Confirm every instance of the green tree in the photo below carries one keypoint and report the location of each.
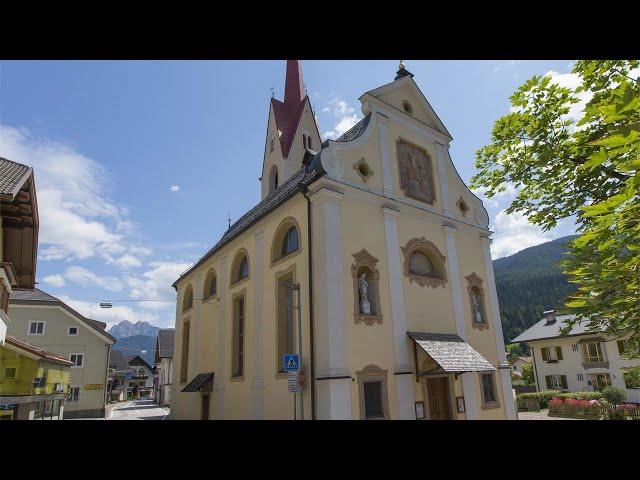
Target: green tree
(583, 168)
(527, 374)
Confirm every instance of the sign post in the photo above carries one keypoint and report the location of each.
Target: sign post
(296, 381)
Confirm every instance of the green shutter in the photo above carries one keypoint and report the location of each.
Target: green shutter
(559, 353)
(563, 379)
(545, 354)
(549, 384)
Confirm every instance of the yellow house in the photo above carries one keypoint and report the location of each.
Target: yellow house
(369, 257)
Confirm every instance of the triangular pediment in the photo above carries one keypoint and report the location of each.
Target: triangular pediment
(404, 90)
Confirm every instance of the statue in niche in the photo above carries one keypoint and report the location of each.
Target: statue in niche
(416, 177)
(477, 307)
(363, 288)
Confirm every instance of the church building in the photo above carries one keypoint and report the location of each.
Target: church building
(367, 256)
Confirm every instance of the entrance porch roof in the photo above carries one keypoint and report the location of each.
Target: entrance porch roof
(451, 353)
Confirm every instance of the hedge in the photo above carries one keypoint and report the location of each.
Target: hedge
(525, 400)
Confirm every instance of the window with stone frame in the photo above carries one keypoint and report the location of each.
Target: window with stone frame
(489, 390)
(187, 301)
(372, 389)
(239, 328)
(285, 329)
(423, 263)
(366, 290)
(477, 302)
(184, 357)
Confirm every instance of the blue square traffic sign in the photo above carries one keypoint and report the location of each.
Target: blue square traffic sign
(291, 362)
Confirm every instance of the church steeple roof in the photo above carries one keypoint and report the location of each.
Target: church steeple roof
(288, 113)
(294, 86)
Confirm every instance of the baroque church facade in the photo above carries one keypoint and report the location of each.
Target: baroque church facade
(369, 257)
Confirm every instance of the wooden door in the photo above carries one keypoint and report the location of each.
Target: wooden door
(205, 408)
(438, 395)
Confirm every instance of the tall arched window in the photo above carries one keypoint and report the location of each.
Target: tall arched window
(240, 267)
(423, 263)
(210, 285)
(273, 178)
(286, 240)
(290, 242)
(187, 301)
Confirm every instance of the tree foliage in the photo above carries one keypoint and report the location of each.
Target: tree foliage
(583, 168)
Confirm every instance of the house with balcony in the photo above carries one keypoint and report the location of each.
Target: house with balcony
(34, 383)
(142, 375)
(581, 360)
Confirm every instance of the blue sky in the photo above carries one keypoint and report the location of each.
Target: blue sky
(137, 162)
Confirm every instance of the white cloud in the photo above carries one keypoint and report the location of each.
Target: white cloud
(155, 284)
(128, 261)
(175, 188)
(86, 278)
(54, 280)
(77, 220)
(344, 118)
(513, 232)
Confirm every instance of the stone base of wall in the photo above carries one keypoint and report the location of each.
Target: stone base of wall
(95, 413)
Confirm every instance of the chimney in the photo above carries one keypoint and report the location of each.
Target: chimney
(551, 316)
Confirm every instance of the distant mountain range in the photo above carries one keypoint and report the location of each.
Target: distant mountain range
(143, 345)
(530, 282)
(126, 329)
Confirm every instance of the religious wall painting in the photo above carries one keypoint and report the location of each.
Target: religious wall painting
(415, 170)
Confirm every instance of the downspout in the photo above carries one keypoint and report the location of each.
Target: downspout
(312, 372)
(106, 383)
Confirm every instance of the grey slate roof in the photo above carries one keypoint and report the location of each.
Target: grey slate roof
(12, 176)
(198, 382)
(164, 344)
(118, 361)
(355, 131)
(451, 352)
(35, 296)
(541, 330)
(309, 172)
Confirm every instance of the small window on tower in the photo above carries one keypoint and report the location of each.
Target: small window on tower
(309, 142)
(271, 145)
(304, 140)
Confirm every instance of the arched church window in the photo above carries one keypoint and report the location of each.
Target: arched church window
(240, 267)
(187, 301)
(210, 284)
(290, 242)
(273, 178)
(366, 292)
(476, 301)
(423, 263)
(286, 240)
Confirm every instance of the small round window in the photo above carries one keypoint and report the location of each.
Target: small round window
(407, 107)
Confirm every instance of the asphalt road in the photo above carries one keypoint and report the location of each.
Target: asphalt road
(139, 410)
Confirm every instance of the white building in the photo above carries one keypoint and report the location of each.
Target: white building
(164, 366)
(580, 361)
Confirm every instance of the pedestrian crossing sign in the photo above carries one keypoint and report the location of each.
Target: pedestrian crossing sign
(291, 362)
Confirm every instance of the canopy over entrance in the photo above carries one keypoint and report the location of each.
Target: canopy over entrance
(203, 382)
(449, 352)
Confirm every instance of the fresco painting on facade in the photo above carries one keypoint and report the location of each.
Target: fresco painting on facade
(392, 209)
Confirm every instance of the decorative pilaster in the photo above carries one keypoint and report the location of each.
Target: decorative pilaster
(221, 372)
(403, 381)
(257, 382)
(333, 387)
(385, 156)
(469, 380)
(503, 366)
(441, 152)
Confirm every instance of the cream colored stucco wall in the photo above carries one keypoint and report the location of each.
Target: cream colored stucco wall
(57, 341)
(572, 362)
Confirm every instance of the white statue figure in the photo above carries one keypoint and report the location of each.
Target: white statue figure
(363, 287)
(477, 308)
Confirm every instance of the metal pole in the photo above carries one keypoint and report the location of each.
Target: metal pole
(297, 287)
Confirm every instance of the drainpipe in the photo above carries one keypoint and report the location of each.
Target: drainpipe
(312, 373)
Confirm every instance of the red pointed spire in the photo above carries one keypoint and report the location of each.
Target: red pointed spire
(294, 85)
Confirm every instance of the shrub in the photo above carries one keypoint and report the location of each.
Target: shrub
(632, 377)
(575, 408)
(614, 395)
(542, 397)
(582, 395)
